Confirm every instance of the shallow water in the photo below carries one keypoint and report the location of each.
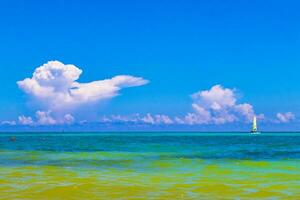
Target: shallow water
(150, 166)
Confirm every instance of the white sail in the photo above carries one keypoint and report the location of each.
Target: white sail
(254, 125)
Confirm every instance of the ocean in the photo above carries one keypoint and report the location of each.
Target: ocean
(149, 166)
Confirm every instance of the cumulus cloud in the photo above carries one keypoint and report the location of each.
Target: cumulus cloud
(68, 119)
(218, 105)
(8, 123)
(23, 120)
(285, 117)
(45, 118)
(55, 85)
(148, 119)
(138, 119)
(178, 120)
(163, 119)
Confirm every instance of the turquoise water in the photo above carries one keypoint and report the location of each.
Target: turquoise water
(150, 166)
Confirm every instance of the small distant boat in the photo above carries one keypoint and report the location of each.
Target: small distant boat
(254, 130)
(12, 139)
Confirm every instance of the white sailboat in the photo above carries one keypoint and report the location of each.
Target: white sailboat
(254, 126)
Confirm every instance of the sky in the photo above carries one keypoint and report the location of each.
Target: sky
(149, 65)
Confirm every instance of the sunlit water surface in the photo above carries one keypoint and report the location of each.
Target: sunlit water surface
(150, 166)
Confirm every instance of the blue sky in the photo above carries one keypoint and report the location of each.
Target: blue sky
(182, 47)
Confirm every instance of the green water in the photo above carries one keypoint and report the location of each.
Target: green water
(150, 166)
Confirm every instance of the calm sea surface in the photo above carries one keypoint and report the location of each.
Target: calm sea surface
(149, 166)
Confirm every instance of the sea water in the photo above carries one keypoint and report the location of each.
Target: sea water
(149, 166)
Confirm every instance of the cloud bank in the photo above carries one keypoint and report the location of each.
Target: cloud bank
(56, 85)
(150, 119)
(218, 105)
(45, 118)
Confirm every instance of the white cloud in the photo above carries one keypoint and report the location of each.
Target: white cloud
(69, 119)
(246, 110)
(192, 118)
(9, 123)
(137, 118)
(55, 85)
(178, 120)
(218, 106)
(23, 120)
(285, 117)
(148, 119)
(215, 98)
(45, 118)
(163, 119)
(202, 115)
